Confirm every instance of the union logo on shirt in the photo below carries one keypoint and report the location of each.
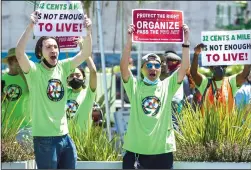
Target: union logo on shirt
(71, 108)
(55, 90)
(151, 105)
(13, 92)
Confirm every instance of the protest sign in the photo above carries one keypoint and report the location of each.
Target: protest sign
(226, 47)
(67, 43)
(157, 26)
(60, 18)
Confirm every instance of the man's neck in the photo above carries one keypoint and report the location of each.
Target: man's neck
(13, 72)
(77, 90)
(47, 68)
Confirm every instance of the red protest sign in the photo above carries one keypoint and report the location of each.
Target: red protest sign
(66, 42)
(157, 26)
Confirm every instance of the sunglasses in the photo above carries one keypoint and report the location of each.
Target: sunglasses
(150, 65)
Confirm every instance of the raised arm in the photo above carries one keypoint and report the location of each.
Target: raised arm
(86, 50)
(22, 58)
(124, 62)
(197, 77)
(93, 74)
(242, 77)
(185, 61)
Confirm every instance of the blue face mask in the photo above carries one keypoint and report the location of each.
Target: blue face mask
(146, 80)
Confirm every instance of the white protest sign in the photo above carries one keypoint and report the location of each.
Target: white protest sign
(226, 47)
(60, 18)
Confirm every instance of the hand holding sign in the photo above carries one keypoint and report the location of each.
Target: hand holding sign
(198, 48)
(130, 31)
(186, 33)
(87, 24)
(34, 17)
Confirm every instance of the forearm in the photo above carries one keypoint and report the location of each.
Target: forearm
(124, 62)
(93, 74)
(194, 65)
(84, 53)
(185, 61)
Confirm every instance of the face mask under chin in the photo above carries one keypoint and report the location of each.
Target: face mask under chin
(48, 64)
(146, 80)
(76, 83)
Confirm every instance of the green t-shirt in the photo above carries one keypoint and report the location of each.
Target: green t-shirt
(80, 105)
(232, 81)
(48, 96)
(17, 93)
(150, 129)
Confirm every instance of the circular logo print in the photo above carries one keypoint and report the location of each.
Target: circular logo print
(71, 108)
(55, 90)
(151, 105)
(13, 92)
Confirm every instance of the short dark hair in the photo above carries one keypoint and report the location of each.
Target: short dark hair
(39, 45)
(82, 71)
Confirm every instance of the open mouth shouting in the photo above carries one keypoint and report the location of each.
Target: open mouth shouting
(53, 59)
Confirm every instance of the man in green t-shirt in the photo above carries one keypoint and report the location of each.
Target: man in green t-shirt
(149, 140)
(47, 82)
(81, 98)
(15, 96)
(220, 89)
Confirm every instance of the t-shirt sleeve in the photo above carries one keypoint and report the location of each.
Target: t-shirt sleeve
(203, 84)
(85, 108)
(30, 75)
(130, 86)
(173, 83)
(67, 66)
(232, 81)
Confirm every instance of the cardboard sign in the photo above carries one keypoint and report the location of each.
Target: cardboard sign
(157, 26)
(60, 18)
(226, 47)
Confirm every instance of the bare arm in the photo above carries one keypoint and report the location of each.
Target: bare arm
(241, 77)
(86, 49)
(197, 77)
(93, 74)
(124, 62)
(22, 58)
(185, 61)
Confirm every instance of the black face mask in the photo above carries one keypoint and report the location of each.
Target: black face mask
(218, 72)
(76, 83)
(48, 64)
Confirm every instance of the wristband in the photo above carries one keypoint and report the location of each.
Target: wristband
(185, 46)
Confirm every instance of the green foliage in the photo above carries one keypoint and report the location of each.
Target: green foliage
(217, 136)
(11, 149)
(93, 144)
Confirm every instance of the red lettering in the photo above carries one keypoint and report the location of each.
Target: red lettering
(216, 57)
(48, 27)
(75, 27)
(58, 28)
(68, 27)
(40, 26)
(241, 56)
(225, 57)
(234, 57)
(80, 27)
(208, 57)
